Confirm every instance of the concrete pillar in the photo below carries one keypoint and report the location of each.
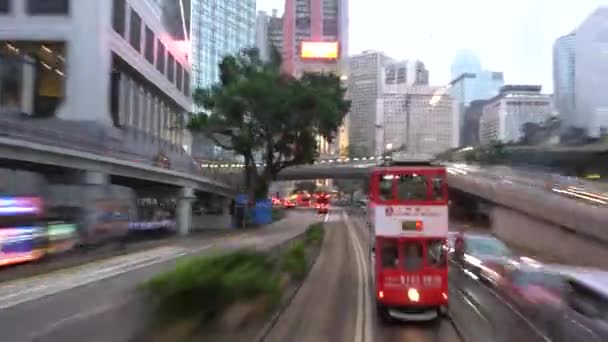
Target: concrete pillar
(184, 210)
(95, 178)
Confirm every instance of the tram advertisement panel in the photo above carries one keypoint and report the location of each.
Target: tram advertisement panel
(399, 220)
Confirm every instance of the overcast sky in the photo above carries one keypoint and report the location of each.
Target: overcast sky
(513, 36)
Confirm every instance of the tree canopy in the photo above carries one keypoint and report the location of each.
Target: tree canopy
(256, 110)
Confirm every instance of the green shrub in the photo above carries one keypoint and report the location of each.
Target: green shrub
(202, 287)
(294, 261)
(314, 234)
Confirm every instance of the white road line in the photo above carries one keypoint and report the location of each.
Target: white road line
(368, 337)
(359, 315)
(326, 218)
(33, 289)
(363, 322)
(78, 317)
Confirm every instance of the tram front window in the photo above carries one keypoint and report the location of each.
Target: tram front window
(412, 250)
(412, 187)
(390, 254)
(436, 250)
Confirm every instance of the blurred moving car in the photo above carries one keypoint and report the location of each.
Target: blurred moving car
(322, 208)
(288, 204)
(566, 303)
(482, 256)
(322, 200)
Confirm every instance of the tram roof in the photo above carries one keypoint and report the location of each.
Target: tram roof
(410, 159)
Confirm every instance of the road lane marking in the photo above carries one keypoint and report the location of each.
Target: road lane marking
(40, 287)
(363, 331)
(326, 218)
(366, 291)
(79, 316)
(359, 314)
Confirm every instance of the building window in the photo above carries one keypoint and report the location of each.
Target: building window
(48, 7)
(118, 17)
(149, 54)
(178, 76)
(186, 83)
(135, 34)
(171, 68)
(330, 27)
(32, 77)
(160, 57)
(5, 6)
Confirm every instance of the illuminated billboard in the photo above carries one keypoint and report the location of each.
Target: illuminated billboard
(320, 50)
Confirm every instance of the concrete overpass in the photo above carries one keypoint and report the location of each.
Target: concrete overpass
(524, 208)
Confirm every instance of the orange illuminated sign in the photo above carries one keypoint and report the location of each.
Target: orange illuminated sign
(327, 50)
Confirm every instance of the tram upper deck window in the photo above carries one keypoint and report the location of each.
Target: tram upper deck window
(385, 187)
(412, 187)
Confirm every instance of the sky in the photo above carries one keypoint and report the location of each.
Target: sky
(512, 36)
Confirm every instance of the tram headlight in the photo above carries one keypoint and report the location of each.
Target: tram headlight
(413, 295)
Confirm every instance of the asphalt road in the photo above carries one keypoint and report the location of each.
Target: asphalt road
(98, 301)
(336, 302)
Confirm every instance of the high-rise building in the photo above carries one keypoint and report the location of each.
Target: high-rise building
(485, 84)
(112, 66)
(261, 34)
(268, 33)
(591, 64)
(563, 77)
(412, 122)
(504, 115)
(219, 28)
(315, 35)
(472, 115)
(275, 31)
(405, 74)
(364, 87)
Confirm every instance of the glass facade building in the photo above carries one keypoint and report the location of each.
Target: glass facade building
(591, 66)
(219, 27)
(563, 77)
(485, 85)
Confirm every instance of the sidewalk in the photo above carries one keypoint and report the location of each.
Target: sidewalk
(208, 221)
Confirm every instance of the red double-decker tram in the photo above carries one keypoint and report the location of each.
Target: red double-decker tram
(408, 211)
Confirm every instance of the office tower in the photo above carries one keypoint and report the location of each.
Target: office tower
(219, 27)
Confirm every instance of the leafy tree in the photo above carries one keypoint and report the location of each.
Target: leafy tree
(471, 156)
(256, 109)
(493, 153)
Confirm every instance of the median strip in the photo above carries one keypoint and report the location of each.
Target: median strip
(231, 296)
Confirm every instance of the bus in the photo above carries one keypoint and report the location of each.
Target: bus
(22, 234)
(408, 213)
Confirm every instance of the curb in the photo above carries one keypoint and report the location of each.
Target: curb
(261, 336)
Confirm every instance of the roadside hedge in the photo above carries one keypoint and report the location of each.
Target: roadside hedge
(202, 287)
